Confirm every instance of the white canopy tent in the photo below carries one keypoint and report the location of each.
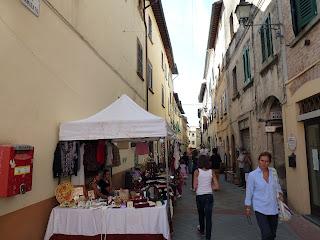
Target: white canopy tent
(123, 119)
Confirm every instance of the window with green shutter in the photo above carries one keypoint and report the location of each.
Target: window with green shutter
(303, 11)
(266, 39)
(246, 65)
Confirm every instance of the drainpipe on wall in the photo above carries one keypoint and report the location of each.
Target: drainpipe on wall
(283, 52)
(146, 44)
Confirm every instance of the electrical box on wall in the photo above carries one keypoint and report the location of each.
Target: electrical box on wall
(16, 162)
(292, 160)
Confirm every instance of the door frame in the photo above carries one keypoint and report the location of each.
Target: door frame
(315, 210)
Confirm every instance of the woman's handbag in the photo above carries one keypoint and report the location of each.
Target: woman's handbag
(285, 213)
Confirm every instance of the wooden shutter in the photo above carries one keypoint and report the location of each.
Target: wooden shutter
(268, 36)
(263, 45)
(305, 11)
(246, 65)
(139, 59)
(149, 75)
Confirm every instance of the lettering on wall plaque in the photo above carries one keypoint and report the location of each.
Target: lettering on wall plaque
(33, 6)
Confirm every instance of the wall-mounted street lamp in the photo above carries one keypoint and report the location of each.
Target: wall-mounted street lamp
(244, 15)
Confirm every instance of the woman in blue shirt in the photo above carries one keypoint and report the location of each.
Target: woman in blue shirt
(262, 193)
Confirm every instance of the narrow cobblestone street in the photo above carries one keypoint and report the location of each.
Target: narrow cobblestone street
(228, 220)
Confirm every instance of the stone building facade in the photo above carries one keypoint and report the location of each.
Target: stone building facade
(247, 63)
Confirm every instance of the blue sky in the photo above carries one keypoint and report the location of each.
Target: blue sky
(188, 25)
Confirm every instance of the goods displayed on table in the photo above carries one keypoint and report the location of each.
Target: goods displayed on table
(72, 197)
(145, 184)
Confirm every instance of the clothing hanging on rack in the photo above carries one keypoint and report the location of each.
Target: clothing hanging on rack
(66, 157)
(80, 178)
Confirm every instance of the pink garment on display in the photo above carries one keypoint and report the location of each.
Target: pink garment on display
(184, 170)
(142, 148)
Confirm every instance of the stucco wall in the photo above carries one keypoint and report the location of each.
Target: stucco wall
(49, 77)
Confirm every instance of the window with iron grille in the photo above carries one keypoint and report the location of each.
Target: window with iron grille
(303, 11)
(310, 104)
(139, 59)
(149, 75)
(150, 29)
(266, 39)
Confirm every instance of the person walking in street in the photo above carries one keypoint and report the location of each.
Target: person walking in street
(241, 161)
(185, 158)
(204, 182)
(262, 193)
(216, 162)
(194, 165)
(247, 167)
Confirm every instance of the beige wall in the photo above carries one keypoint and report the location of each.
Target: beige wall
(49, 77)
(298, 191)
(155, 47)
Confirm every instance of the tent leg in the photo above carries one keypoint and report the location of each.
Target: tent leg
(167, 174)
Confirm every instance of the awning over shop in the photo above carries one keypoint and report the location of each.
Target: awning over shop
(123, 119)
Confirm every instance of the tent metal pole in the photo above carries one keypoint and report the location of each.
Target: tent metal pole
(167, 174)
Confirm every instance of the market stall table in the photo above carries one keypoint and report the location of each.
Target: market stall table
(151, 222)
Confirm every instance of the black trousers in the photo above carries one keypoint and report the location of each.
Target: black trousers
(242, 177)
(193, 170)
(268, 225)
(204, 206)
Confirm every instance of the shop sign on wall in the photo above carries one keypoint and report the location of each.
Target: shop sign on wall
(292, 143)
(33, 6)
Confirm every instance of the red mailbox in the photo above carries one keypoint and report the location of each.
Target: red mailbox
(15, 169)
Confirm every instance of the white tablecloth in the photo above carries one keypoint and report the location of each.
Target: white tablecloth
(90, 222)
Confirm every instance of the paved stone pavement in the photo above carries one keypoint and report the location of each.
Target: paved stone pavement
(228, 220)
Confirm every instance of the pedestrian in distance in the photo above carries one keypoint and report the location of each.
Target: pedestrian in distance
(194, 164)
(262, 193)
(184, 171)
(215, 160)
(241, 163)
(204, 150)
(247, 167)
(204, 182)
(185, 158)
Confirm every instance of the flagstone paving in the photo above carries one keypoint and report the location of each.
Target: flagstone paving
(229, 223)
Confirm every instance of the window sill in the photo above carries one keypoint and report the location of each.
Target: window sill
(273, 59)
(139, 75)
(150, 89)
(248, 85)
(235, 96)
(304, 31)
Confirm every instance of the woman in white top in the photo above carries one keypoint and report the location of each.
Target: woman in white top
(204, 182)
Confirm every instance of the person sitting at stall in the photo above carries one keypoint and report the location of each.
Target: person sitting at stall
(105, 183)
(99, 186)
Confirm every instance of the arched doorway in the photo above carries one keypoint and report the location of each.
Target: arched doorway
(275, 140)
